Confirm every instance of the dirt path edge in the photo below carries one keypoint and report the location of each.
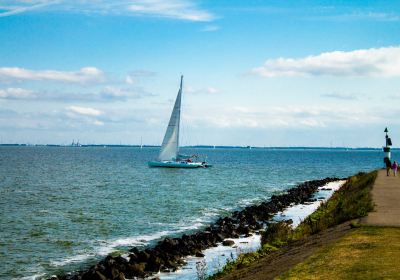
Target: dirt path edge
(289, 256)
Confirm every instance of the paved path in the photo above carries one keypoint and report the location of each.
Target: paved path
(386, 197)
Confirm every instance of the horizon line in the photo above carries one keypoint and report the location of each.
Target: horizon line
(190, 146)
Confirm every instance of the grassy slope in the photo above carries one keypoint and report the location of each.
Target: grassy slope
(365, 253)
(351, 201)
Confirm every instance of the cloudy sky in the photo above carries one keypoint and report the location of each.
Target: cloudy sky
(260, 73)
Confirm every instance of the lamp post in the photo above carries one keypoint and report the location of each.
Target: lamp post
(386, 149)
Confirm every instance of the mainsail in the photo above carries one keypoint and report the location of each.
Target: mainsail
(170, 144)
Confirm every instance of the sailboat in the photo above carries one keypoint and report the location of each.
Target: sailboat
(169, 153)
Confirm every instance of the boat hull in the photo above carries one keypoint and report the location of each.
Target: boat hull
(177, 164)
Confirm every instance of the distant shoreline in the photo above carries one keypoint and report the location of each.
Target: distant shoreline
(200, 147)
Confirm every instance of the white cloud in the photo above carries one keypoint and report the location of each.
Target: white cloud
(117, 93)
(341, 96)
(129, 80)
(83, 75)
(16, 93)
(208, 90)
(98, 123)
(21, 6)
(380, 62)
(114, 92)
(212, 90)
(394, 96)
(358, 16)
(175, 9)
(286, 117)
(142, 74)
(107, 94)
(86, 111)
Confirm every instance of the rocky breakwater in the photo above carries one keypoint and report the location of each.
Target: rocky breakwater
(168, 254)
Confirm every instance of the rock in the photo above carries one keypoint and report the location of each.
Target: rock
(228, 242)
(100, 276)
(137, 269)
(120, 260)
(220, 237)
(114, 273)
(154, 264)
(169, 243)
(109, 261)
(121, 276)
(143, 257)
(133, 257)
(199, 255)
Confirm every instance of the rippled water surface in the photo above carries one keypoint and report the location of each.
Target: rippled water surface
(64, 208)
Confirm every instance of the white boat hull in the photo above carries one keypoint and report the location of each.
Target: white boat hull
(177, 164)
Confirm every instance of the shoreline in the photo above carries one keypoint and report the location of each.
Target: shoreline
(216, 257)
(331, 221)
(169, 254)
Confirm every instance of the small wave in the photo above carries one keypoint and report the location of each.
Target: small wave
(32, 277)
(335, 185)
(186, 227)
(213, 212)
(105, 247)
(249, 201)
(110, 246)
(74, 259)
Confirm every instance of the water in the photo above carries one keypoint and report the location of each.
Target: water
(64, 208)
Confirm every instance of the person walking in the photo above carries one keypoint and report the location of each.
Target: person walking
(388, 164)
(394, 167)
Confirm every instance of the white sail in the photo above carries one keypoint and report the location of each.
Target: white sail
(170, 144)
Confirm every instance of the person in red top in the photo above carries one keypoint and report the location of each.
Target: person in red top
(394, 167)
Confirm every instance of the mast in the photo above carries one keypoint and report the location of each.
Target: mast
(179, 117)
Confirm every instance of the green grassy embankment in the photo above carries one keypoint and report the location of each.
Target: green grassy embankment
(353, 200)
(364, 253)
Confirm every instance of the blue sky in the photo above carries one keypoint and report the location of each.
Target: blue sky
(261, 73)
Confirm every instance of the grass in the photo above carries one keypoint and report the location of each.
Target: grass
(244, 260)
(365, 253)
(353, 200)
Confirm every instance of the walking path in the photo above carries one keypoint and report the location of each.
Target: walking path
(386, 199)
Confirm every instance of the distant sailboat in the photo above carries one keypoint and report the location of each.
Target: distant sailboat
(77, 144)
(169, 154)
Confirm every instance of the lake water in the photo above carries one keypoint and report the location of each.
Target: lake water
(65, 208)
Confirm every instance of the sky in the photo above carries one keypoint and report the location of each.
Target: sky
(259, 73)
